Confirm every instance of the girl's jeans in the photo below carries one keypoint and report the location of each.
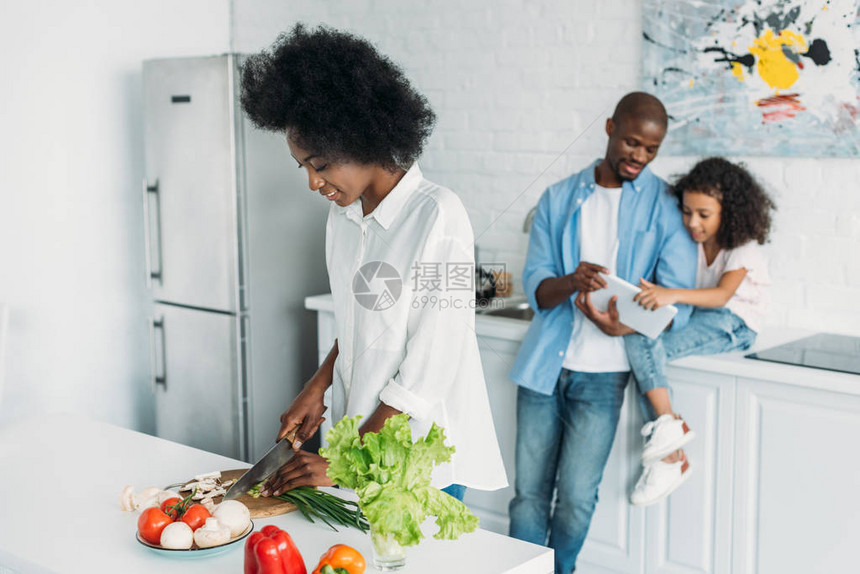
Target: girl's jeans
(709, 331)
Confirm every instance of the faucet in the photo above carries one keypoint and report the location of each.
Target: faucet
(530, 217)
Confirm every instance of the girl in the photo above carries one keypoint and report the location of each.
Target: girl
(354, 123)
(728, 214)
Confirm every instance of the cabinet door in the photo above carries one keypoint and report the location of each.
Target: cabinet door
(497, 356)
(797, 478)
(195, 378)
(690, 532)
(192, 209)
(326, 336)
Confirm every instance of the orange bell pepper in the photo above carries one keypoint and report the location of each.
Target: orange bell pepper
(341, 559)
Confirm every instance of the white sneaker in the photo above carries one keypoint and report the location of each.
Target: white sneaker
(659, 481)
(663, 437)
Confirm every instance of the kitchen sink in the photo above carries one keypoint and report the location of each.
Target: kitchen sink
(509, 308)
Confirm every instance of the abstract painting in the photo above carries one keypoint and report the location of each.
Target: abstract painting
(756, 77)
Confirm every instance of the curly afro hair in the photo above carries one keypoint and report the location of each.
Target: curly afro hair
(745, 205)
(338, 97)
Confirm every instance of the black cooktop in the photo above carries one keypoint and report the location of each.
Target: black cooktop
(823, 351)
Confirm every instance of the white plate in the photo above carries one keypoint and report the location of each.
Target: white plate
(195, 552)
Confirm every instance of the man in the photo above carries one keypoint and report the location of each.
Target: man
(615, 216)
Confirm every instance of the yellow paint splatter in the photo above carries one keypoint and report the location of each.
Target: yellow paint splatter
(738, 71)
(774, 68)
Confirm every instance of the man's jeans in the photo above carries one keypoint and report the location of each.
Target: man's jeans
(563, 441)
(709, 331)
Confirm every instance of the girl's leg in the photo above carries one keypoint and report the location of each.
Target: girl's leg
(661, 404)
(708, 331)
(665, 431)
(660, 401)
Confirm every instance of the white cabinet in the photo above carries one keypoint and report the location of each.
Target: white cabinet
(497, 357)
(797, 480)
(691, 531)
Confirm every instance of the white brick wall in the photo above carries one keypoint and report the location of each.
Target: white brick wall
(522, 89)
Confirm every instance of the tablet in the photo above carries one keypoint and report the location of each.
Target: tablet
(631, 313)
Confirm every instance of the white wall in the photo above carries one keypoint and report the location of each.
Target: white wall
(522, 89)
(71, 165)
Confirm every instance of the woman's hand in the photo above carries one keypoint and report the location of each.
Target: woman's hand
(653, 296)
(304, 469)
(304, 416)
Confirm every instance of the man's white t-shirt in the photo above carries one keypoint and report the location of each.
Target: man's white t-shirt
(590, 350)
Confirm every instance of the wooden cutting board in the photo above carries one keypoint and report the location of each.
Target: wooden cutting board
(262, 507)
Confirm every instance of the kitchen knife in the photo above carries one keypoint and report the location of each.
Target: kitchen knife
(277, 456)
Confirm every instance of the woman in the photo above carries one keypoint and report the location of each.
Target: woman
(394, 242)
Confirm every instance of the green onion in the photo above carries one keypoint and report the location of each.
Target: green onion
(327, 507)
(313, 503)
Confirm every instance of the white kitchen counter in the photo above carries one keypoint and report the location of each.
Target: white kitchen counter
(59, 509)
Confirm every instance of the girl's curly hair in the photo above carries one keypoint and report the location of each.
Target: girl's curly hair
(338, 97)
(745, 205)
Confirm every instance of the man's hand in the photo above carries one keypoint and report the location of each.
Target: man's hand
(606, 321)
(304, 469)
(554, 291)
(586, 278)
(653, 296)
(304, 416)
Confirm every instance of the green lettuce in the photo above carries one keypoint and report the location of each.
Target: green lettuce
(391, 476)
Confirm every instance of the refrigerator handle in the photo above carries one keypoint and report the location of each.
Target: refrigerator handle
(153, 361)
(150, 274)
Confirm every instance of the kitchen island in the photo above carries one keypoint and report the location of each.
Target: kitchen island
(774, 480)
(59, 509)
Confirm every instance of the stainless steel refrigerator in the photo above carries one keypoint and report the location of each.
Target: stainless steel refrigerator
(234, 243)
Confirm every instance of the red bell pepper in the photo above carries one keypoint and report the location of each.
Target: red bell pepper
(270, 550)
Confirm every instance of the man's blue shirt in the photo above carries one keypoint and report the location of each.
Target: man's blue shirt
(652, 244)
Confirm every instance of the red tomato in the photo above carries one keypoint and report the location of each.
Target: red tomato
(150, 524)
(195, 516)
(166, 507)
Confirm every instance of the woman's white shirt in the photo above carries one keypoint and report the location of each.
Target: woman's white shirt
(402, 280)
(751, 299)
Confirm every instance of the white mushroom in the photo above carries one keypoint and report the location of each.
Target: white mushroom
(126, 498)
(165, 495)
(177, 536)
(234, 515)
(213, 533)
(149, 496)
(212, 475)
